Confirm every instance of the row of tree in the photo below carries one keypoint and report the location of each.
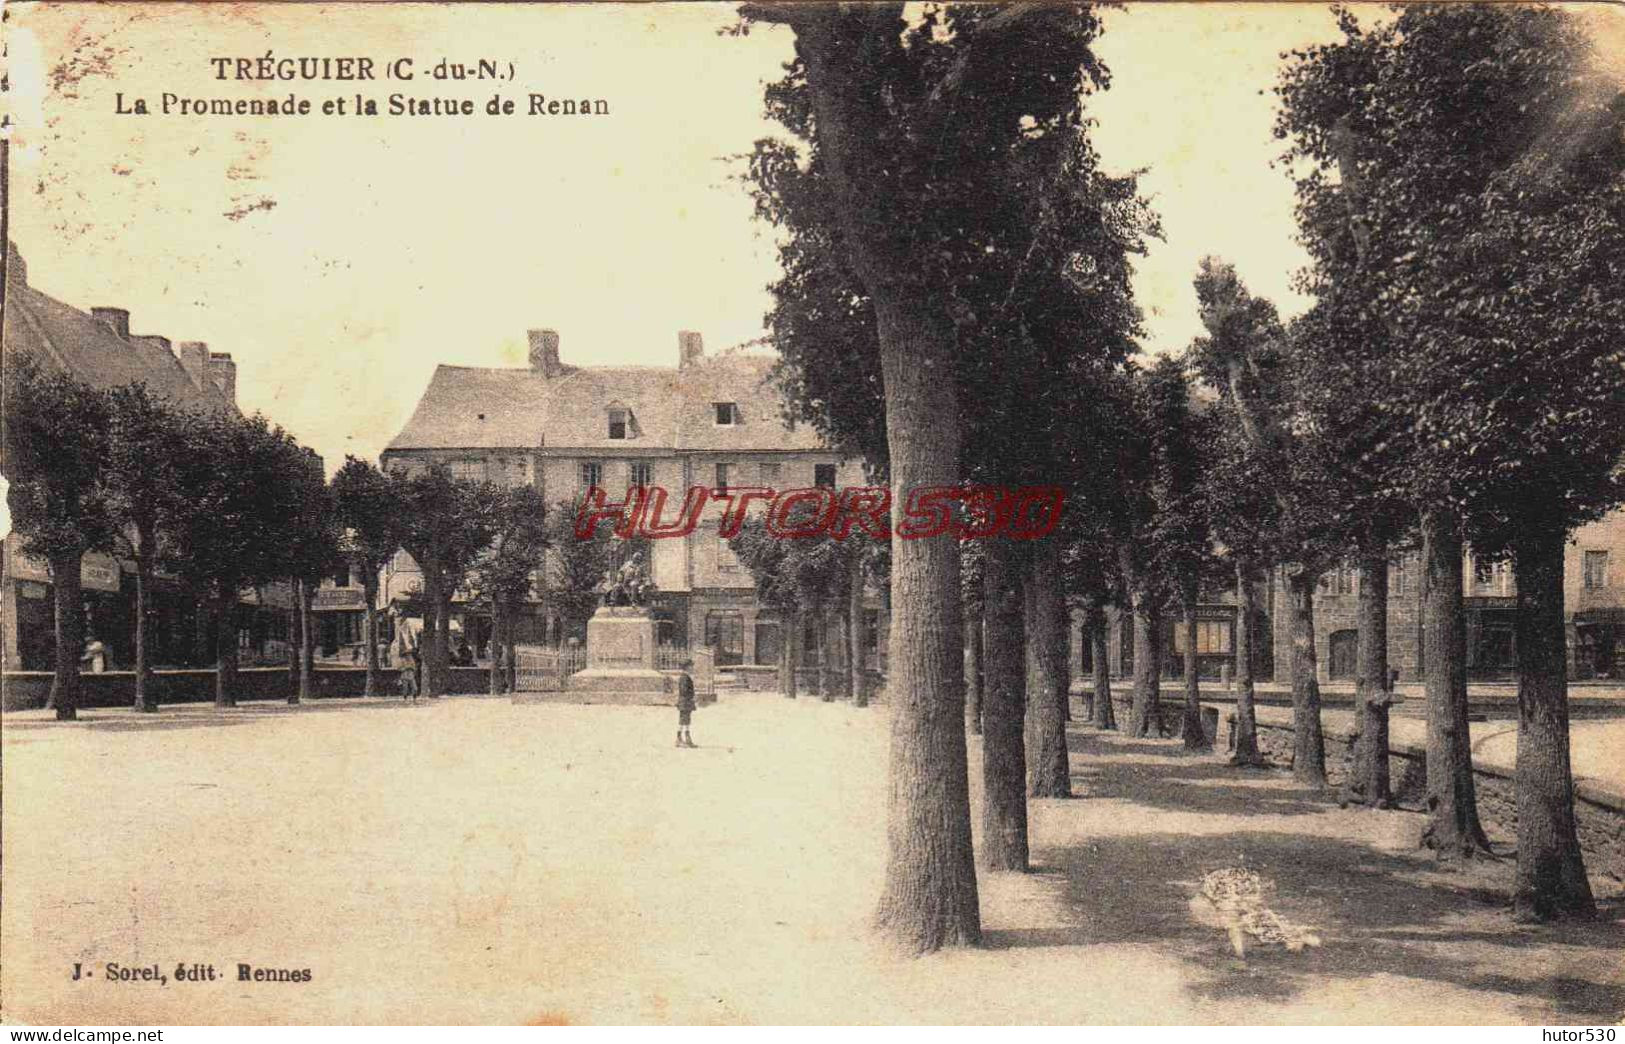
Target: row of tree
(955, 308)
(223, 504)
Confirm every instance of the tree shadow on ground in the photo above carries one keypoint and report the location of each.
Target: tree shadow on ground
(1181, 782)
(199, 715)
(1378, 912)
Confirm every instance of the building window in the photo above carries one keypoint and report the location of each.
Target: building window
(727, 413)
(727, 561)
(723, 471)
(341, 577)
(812, 643)
(770, 475)
(640, 474)
(468, 470)
(824, 475)
(725, 635)
(1212, 637)
(1345, 580)
(1399, 575)
(1596, 570)
(590, 474)
(1489, 574)
(618, 423)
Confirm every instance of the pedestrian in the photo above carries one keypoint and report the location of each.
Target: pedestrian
(685, 708)
(409, 674)
(95, 655)
(407, 647)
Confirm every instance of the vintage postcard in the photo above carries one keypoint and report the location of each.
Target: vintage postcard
(813, 513)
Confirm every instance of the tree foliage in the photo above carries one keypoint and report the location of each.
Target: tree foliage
(1461, 193)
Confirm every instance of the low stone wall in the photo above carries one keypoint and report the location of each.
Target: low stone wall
(1599, 810)
(28, 690)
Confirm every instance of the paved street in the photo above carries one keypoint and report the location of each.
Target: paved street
(467, 859)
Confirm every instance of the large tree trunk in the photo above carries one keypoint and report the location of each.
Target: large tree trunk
(973, 668)
(497, 674)
(1246, 752)
(790, 672)
(1551, 879)
(1048, 771)
(442, 641)
(1099, 653)
(1146, 716)
(225, 650)
(929, 899)
(1004, 791)
(370, 589)
(856, 613)
(203, 632)
(1367, 782)
(293, 638)
(1063, 649)
(1308, 742)
(1191, 730)
(70, 634)
(428, 638)
(821, 621)
(511, 664)
(1453, 829)
(146, 700)
(307, 641)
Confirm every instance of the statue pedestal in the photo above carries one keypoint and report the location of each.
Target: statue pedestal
(621, 661)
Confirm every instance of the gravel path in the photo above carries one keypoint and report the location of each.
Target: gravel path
(470, 860)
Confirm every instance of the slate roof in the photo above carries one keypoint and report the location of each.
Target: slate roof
(578, 401)
(63, 337)
(467, 407)
(671, 409)
(744, 380)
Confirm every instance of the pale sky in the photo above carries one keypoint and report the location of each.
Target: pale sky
(367, 250)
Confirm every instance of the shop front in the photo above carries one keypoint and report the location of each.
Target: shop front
(1491, 651)
(1596, 644)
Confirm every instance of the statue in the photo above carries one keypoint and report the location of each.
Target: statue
(628, 586)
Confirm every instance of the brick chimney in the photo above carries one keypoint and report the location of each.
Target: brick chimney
(194, 357)
(115, 319)
(544, 352)
(158, 341)
(224, 372)
(690, 348)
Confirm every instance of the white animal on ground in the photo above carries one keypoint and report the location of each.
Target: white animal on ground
(1233, 901)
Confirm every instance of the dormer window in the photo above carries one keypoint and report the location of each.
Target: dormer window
(727, 414)
(620, 423)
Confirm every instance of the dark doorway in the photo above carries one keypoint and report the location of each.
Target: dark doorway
(1342, 654)
(725, 633)
(768, 643)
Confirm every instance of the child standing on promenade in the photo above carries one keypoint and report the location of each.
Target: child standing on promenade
(685, 708)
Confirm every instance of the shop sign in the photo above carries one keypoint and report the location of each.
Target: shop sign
(337, 598)
(97, 572)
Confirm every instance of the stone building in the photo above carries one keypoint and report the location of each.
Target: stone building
(1593, 599)
(98, 347)
(714, 421)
